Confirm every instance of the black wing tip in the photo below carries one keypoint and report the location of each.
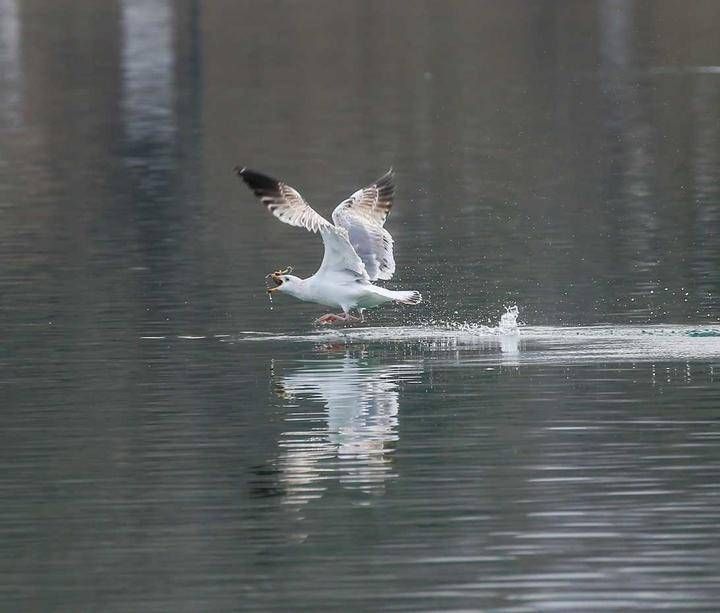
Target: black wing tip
(388, 176)
(256, 181)
(386, 185)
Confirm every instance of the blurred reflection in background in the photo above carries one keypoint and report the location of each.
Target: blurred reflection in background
(10, 86)
(148, 68)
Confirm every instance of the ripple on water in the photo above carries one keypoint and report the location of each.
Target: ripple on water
(528, 343)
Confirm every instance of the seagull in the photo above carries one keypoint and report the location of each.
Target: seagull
(358, 249)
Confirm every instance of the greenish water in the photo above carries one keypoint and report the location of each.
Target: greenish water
(171, 441)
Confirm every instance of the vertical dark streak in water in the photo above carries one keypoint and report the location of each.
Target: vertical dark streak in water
(61, 108)
(148, 103)
(630, 185)
(705, 263)
(10, 72)
(162, 110)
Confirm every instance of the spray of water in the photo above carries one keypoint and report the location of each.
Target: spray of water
(507, 325)
(508, 321)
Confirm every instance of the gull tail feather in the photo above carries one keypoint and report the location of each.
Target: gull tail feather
(407, 297)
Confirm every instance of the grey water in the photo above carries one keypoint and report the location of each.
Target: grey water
(171, 441)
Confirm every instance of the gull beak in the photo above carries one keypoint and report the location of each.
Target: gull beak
(277, 278)
(278, 282)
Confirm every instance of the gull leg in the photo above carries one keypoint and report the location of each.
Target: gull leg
(349, 319)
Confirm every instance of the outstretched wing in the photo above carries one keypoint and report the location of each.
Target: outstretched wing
(283, 201)
(363, 215)
(288, 206)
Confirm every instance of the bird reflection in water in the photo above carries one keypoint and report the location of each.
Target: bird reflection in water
(351, 439)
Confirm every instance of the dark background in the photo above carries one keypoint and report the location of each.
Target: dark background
(561, 155)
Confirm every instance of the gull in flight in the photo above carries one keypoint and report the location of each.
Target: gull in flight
(358, 249)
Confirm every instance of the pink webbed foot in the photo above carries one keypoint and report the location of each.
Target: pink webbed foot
(330, 318)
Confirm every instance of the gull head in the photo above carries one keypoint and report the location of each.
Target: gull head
(284, 281)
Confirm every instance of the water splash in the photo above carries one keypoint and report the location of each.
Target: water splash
(508, 321)
(508, 325)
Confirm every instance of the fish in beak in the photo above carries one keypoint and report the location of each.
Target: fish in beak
(278, 282)
(277, 279)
